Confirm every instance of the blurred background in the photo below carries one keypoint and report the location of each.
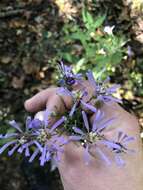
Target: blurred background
(103, 35)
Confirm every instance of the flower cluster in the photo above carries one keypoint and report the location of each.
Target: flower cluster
(38, 139)
(47, 141)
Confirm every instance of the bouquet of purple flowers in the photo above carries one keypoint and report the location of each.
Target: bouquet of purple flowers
(39, 139)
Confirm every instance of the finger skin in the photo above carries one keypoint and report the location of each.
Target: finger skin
(45, 97)
(38, 102)
(49, 99)
(41, 99)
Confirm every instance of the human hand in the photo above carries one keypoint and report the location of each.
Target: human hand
(74, 173)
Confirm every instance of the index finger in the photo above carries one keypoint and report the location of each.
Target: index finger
(38, 102)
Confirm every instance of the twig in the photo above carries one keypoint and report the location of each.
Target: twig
(11, 13)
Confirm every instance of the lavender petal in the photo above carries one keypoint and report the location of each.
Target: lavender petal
(20, 150)
(119, 135)
(75, 138)
(28, 122)
(88, 106)
(58, 123)
(10, 152)
(128, 139)
(27, 153)
(9, 135)
(15, 125)
(62, 140)
(6, 146)
(48, 156)
(46, 117)
(85, 120)
(86, 155)
(35, 153)
(43, 156)
(73, 109)
(119, 160)
(79, 131)
(113, 88)
(110, 144)
(98, 115)
(64, 91)
(113, 99)
(103, 156)
(91, 79)
(38, 145)
(105, 124)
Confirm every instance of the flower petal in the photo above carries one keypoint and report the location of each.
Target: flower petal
(27, 152)
(58, 123)
(28, 121)
(79, 131)
(73, 109)
(91, 79)
(119, 160)
(48, 156)
(113, 88)
(8, 135)
(63, 91)
(103, 156)
(128, 139)
(104, 125)
(10, 152)
(35, 153)
(15, 125)
(120, 136)
(86, 155)
(75, 138)
(98, 115)
(85, 120)
(88, 106)
(38, 145)
(43, 156)
(20, 150)
(6, 146)
(110, 144)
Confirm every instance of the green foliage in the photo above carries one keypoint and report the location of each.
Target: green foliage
(136, 79)
(89, 47)
(90, 23)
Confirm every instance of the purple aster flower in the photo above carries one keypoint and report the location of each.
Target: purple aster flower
(46, 140)
(119, 146)
(52, 149)
(49, 143)
(101, 91)
(122, 141)
(20, 140)
(69, 78)
(76, 96)
(90, 136)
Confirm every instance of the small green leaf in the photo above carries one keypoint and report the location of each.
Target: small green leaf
(87, 19)
(99, 21)
(79, 64)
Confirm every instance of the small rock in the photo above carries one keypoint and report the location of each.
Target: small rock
(6, 60)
